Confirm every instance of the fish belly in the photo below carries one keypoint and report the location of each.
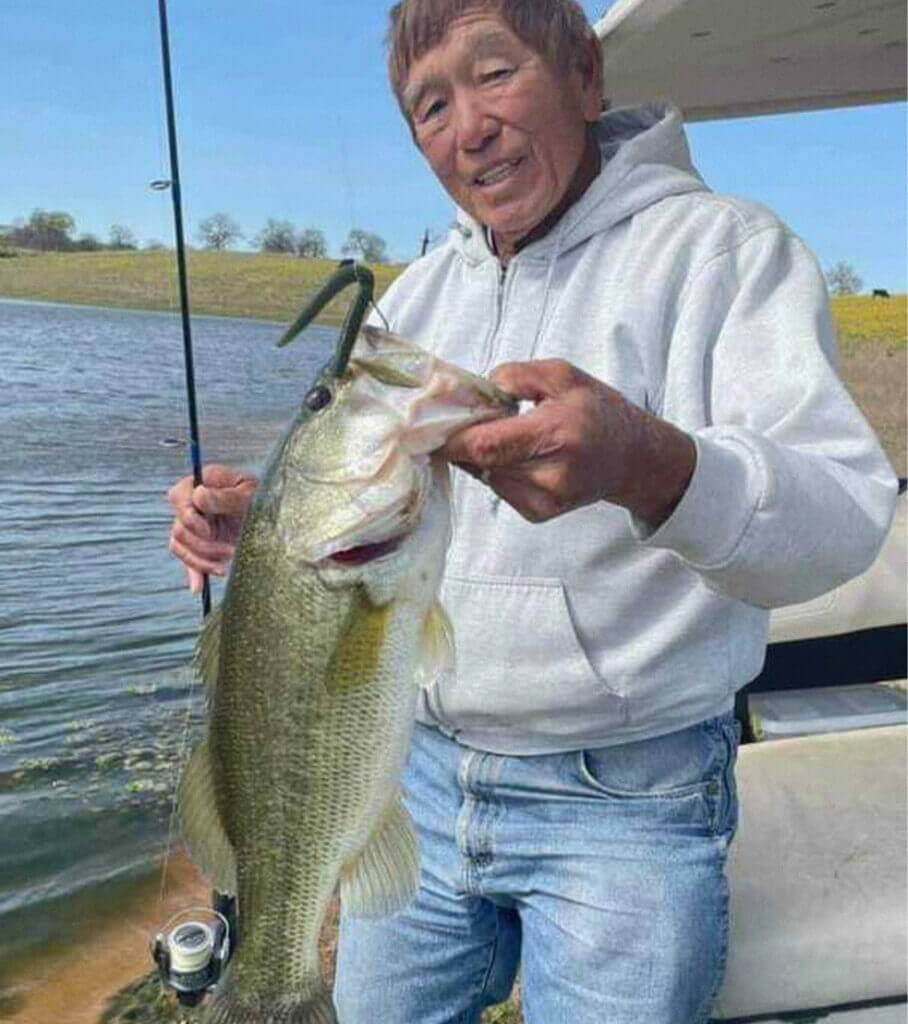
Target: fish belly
(310, 728)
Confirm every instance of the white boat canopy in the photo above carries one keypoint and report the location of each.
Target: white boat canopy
(738, 58)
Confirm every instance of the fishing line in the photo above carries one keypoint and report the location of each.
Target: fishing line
(377, 309)
(349, 191)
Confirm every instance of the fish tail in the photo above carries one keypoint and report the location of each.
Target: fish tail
(283, 1008)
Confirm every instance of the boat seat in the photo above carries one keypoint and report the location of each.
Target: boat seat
(853, 634)
(818, 874)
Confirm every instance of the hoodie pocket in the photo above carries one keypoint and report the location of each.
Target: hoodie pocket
(519, 660)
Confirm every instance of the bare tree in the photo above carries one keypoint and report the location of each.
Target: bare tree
(219, 231)
(372, 248)
(843, 279)
(277, 236)
(121, 237)
(311, 242)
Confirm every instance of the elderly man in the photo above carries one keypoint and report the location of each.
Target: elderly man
(687, 461)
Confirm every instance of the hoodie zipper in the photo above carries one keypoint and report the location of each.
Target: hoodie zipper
(502, 273)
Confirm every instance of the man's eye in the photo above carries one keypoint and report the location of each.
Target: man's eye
(432, 110)
(496, 74)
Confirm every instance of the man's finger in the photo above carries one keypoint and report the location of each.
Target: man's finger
(195, 522)
(533, 504)
(190, 559)
(216, 475)
(218, 551)
(506, 442)
(536, 380)
(180, 494)
(223, 501)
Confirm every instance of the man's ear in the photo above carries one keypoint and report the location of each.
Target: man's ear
(591, 78)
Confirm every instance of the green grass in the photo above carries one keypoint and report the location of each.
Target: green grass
(256, 285)
(504, 1013)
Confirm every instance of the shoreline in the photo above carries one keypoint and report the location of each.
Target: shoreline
(73, 984)
(6, 300)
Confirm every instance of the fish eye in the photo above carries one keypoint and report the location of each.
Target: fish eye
(318, 398)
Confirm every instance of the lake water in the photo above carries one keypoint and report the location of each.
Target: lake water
(97, 707)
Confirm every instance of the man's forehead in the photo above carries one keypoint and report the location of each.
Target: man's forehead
(478, 37)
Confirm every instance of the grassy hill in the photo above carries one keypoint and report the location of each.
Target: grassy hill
(258, 285)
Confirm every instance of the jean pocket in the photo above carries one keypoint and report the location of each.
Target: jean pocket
(693, 767)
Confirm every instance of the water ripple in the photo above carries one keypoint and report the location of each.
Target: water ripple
(96, 627)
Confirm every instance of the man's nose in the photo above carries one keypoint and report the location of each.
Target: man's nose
(476, 126)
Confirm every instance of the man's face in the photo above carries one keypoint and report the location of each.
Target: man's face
(503, 132)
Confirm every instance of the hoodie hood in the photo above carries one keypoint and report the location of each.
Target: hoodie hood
(645, 158)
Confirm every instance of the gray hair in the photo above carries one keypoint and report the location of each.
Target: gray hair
(558, 30)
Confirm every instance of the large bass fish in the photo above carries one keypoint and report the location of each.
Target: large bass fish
(313, 662)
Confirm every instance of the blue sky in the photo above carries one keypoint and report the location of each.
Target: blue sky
(284, 111)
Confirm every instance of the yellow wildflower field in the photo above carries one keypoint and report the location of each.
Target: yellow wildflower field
(860, 317)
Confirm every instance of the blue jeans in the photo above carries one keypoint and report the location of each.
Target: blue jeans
(599, 872)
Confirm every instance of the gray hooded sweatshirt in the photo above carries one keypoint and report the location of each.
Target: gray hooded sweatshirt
(592, 629)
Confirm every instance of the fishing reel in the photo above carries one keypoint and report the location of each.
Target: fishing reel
(192, 949)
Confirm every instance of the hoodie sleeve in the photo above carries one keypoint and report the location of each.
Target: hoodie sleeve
(791, 494)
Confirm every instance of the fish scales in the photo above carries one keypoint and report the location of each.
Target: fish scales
(313, 662)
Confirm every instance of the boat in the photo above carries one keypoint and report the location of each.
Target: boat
(817, 872)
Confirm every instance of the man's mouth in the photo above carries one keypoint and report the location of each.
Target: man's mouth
(500, 172)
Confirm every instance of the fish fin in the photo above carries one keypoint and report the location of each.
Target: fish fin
(385, 876)
(208, 650)
(359, 645)
(436, 654)
(203, 831)
(227, 1007)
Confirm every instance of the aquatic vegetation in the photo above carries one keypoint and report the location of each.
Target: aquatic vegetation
(142, 689)
(7, 737)
(79, 724)
(146, 1002)
(42, 764)
(140, 786)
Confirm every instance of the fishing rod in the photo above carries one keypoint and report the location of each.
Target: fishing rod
(193, 946)
(194, 445)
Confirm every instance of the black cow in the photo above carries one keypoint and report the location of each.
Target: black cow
(880, 293)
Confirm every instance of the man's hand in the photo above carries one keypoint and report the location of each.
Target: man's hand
(584, 442)
(208, 520)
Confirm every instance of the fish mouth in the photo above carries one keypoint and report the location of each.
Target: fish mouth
(378, 536)
(363, 553)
